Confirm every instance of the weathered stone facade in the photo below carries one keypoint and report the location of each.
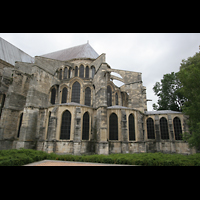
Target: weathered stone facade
(76, 98)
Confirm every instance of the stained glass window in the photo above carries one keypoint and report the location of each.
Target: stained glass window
(150, 128)
(81, 73)
(76, 92)
(131, 127)
(76, 71)
(177, 128)
(60, 74)
(53, 95)
(113, 127)
(65, 126)
(64, 95)
(69, 72)
(87, 96)
(116, 98)
(87, 72)
(65, 73)
(164, 128)
(85, 129)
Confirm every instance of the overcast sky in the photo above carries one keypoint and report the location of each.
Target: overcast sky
(153, 54)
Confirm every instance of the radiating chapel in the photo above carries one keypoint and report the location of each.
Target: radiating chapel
(66, 102)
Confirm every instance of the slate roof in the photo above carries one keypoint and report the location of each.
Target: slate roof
(9, 53)
(81, 51)
(161, 112)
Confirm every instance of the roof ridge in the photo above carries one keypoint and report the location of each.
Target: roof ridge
(63, 49)
(16, 47)
(80, 51)
(11, 53)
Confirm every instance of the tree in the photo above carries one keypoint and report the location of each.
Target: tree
(169, 93)
(189, 76)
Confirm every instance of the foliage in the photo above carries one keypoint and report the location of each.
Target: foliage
(20, 157)
(169, 93)
(189, 76)
(14, 157)
(145, 159)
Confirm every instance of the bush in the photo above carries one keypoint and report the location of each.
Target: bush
(14, 157)
(108, 160)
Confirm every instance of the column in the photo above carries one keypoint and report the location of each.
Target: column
(171, 135)
(157, 131)
(77, 131)
(124, 132)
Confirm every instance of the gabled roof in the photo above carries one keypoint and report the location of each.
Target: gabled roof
(81, 51)
(9, 53)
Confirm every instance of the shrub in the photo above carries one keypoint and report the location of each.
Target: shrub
(14, 157)
(108, 160)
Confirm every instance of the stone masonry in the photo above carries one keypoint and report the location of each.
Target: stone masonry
(36, 93)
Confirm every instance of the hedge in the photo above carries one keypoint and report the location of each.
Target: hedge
(14, 157)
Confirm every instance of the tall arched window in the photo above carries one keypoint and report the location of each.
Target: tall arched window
(76, 92)
(60, 77)
(53, 95)
(164, 128)
(69, 72)
(113, 127)
(65, 126)
(177, 128)
(116, 98)
(109, 96)
(64, 95)
(93, 71)
(76, 71)
(20, 124)
(150, 128)
(88, 96)
(81, 72)
(86, 126)
(65, 73)
(131, 127)
(87, 72)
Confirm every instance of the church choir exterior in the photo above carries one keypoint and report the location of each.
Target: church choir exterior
(66, 102)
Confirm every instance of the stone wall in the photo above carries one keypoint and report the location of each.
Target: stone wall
(27, 87)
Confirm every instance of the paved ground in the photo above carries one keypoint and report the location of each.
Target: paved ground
(69, 163)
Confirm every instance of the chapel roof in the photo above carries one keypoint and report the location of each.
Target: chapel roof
(80, 51)
(10, 53)
(159, 112)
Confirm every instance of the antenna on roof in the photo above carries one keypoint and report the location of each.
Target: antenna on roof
(88, 41)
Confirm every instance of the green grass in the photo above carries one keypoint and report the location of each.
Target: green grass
(14, 157)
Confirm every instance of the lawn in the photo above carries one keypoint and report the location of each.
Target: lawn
(14, 157)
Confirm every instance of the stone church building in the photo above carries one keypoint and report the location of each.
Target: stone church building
(66, 102)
